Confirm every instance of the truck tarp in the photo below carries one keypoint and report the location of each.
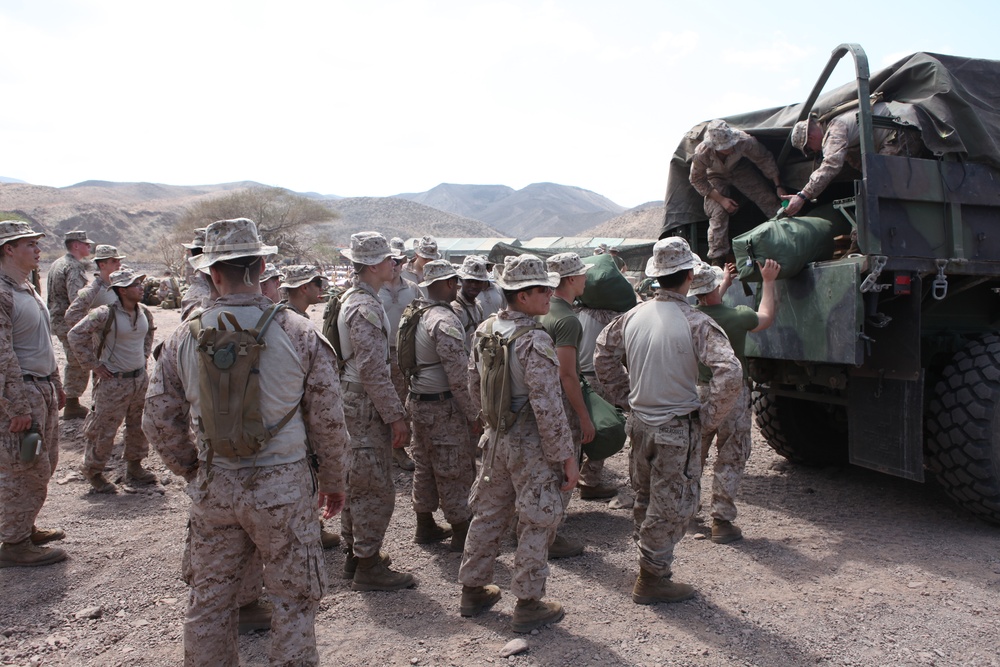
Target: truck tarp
(956, 102)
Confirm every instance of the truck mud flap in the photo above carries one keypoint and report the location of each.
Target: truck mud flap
(885, 421)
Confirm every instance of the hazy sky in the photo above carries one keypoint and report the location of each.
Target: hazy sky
(374, 98)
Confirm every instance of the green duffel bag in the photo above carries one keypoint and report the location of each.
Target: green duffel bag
(791, 242)
(609, 425)
(606, 288)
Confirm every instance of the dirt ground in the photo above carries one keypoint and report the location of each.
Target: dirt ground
(839, 566)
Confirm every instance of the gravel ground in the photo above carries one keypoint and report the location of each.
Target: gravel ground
(839, 566)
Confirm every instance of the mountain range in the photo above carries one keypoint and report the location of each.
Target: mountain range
(137, 216)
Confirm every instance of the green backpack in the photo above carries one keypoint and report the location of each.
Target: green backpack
(493, 352)
(330, 329)
(231, 422)
(406, 340)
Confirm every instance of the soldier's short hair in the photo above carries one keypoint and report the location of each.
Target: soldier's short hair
(234, 270)
(674, 280)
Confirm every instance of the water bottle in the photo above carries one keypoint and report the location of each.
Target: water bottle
(31, 443)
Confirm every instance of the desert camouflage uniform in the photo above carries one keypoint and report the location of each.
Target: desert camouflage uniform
(470, 315)
(67, 277)
(444, 464)
(713, 172)
(732, 441)
(168, 289)
(97, 293)
(117, 398)
(24, 486)
(665, 461)
(394, 300)
(491, 300)
(371, 405)
(267, 502)
(197, 295)
(524, 468)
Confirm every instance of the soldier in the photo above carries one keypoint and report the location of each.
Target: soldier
(98, 292)
(304, 286)
(718, 166)
(527, 468)
(32, 397)
(491, 298)
(474, 278)
(592, 322)
(425, 251)
(114, 342)
(395, 296)
(441, 413)
(839, 139)
(732, 436)
(562, 324)
(269, 281)
(374, 414)
(199, 292)
(664, 340)
(67, 276)
(169, 292)
(266, 501)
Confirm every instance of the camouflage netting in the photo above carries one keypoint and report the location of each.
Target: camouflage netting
(956, 102)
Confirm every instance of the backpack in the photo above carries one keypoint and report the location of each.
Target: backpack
(330, 329)
(406, 340)
(493, 351)
(111, 322)
(231, 422)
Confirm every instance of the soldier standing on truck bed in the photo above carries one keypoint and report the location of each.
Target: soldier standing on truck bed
(732, 436)
(718, 166)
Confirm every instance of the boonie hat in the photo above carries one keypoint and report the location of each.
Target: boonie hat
(800, 134)
(439, 269)
(300, 274)
(368, 248)
(106, 252)
(270, 271)
(706, 279)
(124, 277)
(199, 239)
(231, 239)
(398, 247)
(567, 264)
(521, 271)
(670, 255)
(473, 268)
(78, 235)
(719, 136)
(601, 249)
(11, 230)
(428, 248)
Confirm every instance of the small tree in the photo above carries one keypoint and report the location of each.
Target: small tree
(281, 215)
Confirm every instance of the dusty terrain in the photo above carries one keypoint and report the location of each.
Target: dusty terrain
(839, 567)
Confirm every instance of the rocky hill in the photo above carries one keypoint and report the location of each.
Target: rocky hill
(393, 216)
(642, 222)
(539, 209)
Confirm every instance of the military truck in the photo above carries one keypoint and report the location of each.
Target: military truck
(888, 358)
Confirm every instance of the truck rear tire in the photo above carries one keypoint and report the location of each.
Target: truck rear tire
(806, 432)
(963, 428)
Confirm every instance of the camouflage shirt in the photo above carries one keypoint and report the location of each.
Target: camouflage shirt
(14, 399)
(95, 294)
(707, 164)
(470, 315)
(641, 384)
(540, 364)
(197, 295)
(84, 337)
(841, 143)
(67, 277)
(166, 420)
(441, 345)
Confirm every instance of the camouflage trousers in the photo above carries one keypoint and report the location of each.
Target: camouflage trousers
(75, 376)
(24, 486)
(576, 432)
(444, 464)
(515, 479)
(371, 495)
(251, 582)
(113, 401)
(754, 187)
(732, 442)
(234, 513)
(665, 468)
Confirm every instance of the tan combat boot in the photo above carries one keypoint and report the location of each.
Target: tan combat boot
(100, 483)
(532, 614)
(351, 562)
(477, 599)
(428, 531)
(254, 616)
(724, 532)
(26, 554)
(402, 459)
(135, 472)
(459, 531)
(327, 538)
(600, 492)
(563, 547)
(650, 589)
(73, 409)
(41, 536)
(374, 575)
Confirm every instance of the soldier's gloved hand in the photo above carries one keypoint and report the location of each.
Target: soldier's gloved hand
(332, 504)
